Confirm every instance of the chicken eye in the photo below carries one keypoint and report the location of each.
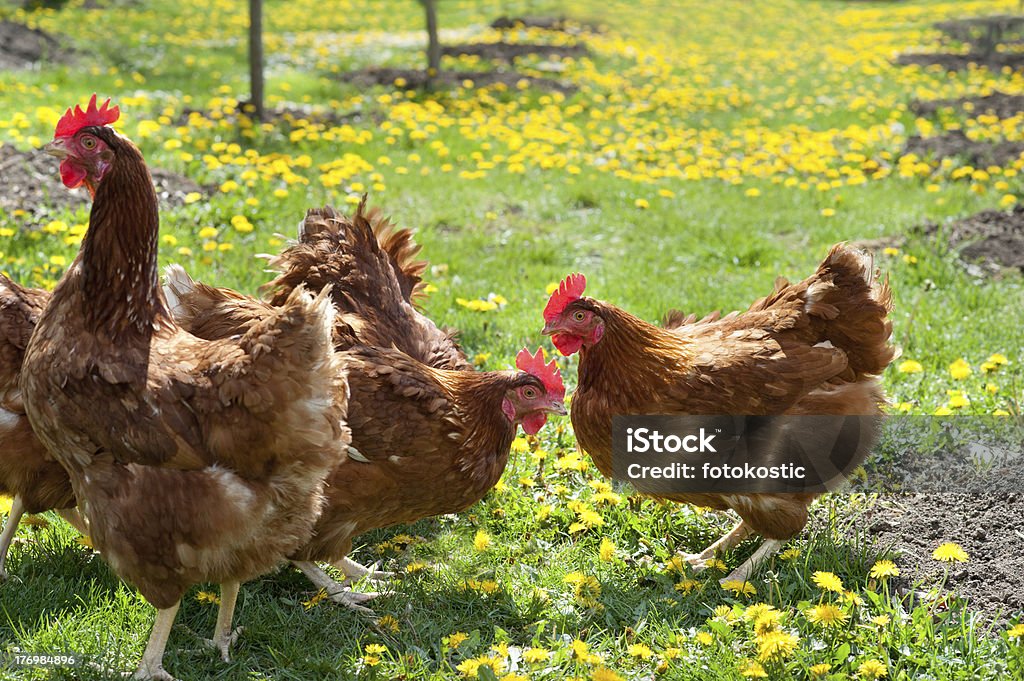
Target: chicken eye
(579, 315)
(530, 393)
(89, 142)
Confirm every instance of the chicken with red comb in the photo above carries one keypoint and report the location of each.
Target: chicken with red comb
(816, 347)
(191, 460)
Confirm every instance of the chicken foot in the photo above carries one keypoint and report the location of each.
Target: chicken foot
(334, 590)
(355, 572)
(223, 636)
(10, 529)
(699, 561)
(765, 551)
(151, 668)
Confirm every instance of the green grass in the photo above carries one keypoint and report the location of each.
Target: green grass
(762, 99)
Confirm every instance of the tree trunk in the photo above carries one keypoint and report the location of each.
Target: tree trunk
(433, 42)
(256, 57)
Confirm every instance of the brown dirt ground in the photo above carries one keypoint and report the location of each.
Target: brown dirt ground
(416, 79)
(21, 46)
(560, 24)
(29, 181)
(509, 52)
(987, 527)
(957, 144)
(998, 104)
(992, 239)
(958, 62)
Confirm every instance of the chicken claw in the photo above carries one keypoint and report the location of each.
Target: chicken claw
(355, 572)
(335, 591)
(224, 643)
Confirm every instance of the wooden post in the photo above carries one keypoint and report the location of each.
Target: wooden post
(433, 42)
(256, 57)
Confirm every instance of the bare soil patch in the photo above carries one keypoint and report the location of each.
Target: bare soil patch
(509, 52)
(957, 144)
(561, 24)
(997, 104)
(417, 79)
(952, 61)
(21, 46)
(988, 529)
(990, 239)
(29, 181)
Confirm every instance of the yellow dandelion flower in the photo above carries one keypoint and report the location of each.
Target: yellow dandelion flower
(642, 204)
(687, 585)
(767, 622)
(640, 650)
(828, 581)
(820, 669)
(883, 569)
(606, 552)
(704, 638)
(481, 541)
(456, 639)
(776, 645)
(960, 369)
(910, 366)
(752, 669)
(790, 554)
(998, 358)
(389, 622)
(872, 669)
(605, 674)
(950, 552)
(1016, 631)
(826, 615)
(739, 588)
(536, 655)
(881, 620)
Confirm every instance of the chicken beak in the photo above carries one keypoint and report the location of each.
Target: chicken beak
(57, 148)
(558, 408)
(549, 328)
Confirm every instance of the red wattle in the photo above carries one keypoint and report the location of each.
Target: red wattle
(566, 343)
(71, 174)
(532, 423)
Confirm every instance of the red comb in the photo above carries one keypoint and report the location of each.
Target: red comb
(547, 373)
(73, 121)
(570, 289)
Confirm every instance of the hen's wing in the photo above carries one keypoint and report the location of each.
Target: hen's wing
(419, 422)
(371, 267)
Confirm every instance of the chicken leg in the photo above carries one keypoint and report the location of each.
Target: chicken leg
(10, 529)
(223, 636)
(699, 561)
(335, 591)
(151, 668)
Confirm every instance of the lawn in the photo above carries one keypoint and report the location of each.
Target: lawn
(704, 149)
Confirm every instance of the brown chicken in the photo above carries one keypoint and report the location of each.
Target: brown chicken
(816, 347)
(192, 461)
(425, 440)
(27, 471)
